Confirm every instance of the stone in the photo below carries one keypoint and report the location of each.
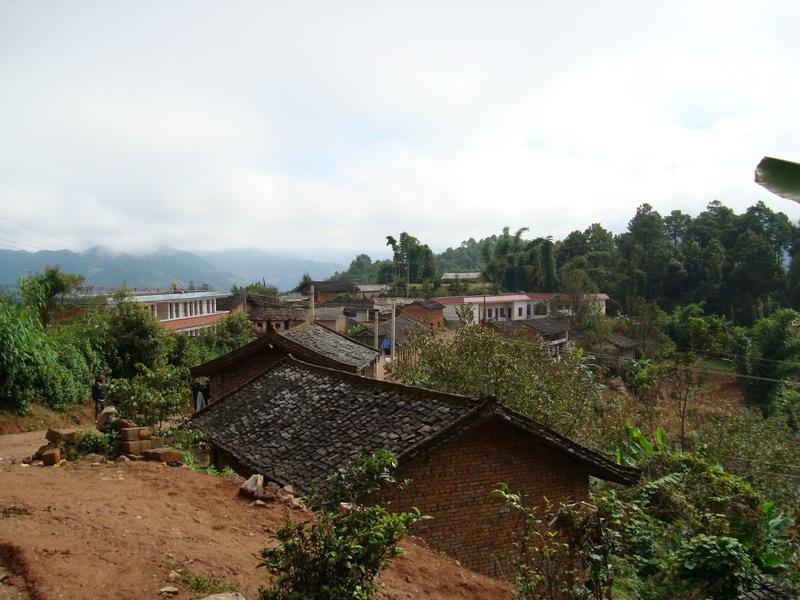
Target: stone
(53, 435)
(167, 455)
(44, 449)
(174, 576)
(131, 447)
(253, 486)
(145, 445)
(51, 457)
(129, 434)
(258, 503)
(145, 433)
(93, 458)
(168, 590)
(124, 423)
(225, 596)
(122, 459)
(268, 492)
(72, 438)
(106, 419)
(156, 442)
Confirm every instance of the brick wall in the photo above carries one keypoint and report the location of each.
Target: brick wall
(434, 318)
(453, 484)
(241, 371)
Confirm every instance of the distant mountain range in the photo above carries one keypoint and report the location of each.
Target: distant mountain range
(220, 270)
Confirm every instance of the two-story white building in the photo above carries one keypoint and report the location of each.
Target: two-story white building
(188, 312)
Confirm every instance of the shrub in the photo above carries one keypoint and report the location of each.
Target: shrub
(151, 397)
(340, 555)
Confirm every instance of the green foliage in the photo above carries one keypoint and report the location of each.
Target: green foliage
(206, 585)
(189, 460)
(26, 356)
(339, 555)
(91, 441)
(185, 438)
(260, 289)
(356, 481)
(48, 290)
(151, 396)
(719, 566)
(560, 392)
(127, 335)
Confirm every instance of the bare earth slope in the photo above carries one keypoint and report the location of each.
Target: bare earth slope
(117, 531)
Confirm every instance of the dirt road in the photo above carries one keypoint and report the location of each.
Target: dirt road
(119, 530)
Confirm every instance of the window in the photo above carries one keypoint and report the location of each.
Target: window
(519, 311)
(528, 312)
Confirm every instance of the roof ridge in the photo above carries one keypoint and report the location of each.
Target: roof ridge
(341, 335)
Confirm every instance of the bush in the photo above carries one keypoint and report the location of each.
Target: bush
(151, 397)
(340, 555)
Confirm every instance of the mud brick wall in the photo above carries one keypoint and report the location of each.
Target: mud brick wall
(454, 481)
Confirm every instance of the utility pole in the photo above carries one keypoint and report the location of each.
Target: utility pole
(311, 291)
(394, 327)
(376, 329)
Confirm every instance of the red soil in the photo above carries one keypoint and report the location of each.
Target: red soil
(118, 530)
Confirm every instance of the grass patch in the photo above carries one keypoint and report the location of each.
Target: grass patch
(206, 585)
(189, 460)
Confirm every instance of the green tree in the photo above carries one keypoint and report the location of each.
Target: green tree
(520, 372)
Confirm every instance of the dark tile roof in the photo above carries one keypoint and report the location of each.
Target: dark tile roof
(765, 591)
(278, 313)
(333, 287)
(404, 325)
(428, 304)
(297, 423)
(269, 341)
(621, 341)
(547, 326)
(335, 345)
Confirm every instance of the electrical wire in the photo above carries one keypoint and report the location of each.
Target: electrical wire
(39, 229)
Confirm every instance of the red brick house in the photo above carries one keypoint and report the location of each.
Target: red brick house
(553, 331)
(429, 312)
(297, 423)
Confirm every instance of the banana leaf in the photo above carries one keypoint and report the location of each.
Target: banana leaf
(780, 177)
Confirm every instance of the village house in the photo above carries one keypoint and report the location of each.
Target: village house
(330, 290)
(297, 423)
(187, 312)
(517, 306)
(553, 331)
(429, 312)
(404, 326)
(313, 343)
(464, 277)
(276, 318)
(615, 350)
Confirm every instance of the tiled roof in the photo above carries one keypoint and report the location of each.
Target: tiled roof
(544, 326)
(271, 340)
(333, 287)
(333, 344)
(278, 313)
(429, 304)
(765, 591)
(297, 423)
(403, 326)
(621, 341)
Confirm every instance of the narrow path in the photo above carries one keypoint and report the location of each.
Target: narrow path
(15, 446)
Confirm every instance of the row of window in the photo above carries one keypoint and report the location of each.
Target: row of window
(503, 313)
(177, 310)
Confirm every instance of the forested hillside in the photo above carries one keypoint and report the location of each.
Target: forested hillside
(738, 265)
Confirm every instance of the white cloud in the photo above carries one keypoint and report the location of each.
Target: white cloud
(329, 125)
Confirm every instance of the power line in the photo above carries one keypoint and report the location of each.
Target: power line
(21, 244)
(39, 230)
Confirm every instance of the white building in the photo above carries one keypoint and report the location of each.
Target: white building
(515, 307)
(188, 312)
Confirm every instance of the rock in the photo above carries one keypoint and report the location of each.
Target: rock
(145, 433)
(408, 579)
(253, 486)
(122, 423)
(174, 576)
(167, 455)
(93, 458)
(106, 419)
(122, 459)
(289, 489)
(269, 491)
(145, 445)
(53, 435)
(156, 442)
(225, 596)
(258, 503)
(72, 438)
(168, 590)
(44, 449)
(51, 457)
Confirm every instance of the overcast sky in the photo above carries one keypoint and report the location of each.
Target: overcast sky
(320, 128)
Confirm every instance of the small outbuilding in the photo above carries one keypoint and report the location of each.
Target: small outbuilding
(429, 312)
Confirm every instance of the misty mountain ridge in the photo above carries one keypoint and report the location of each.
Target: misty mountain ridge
(103, 267)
